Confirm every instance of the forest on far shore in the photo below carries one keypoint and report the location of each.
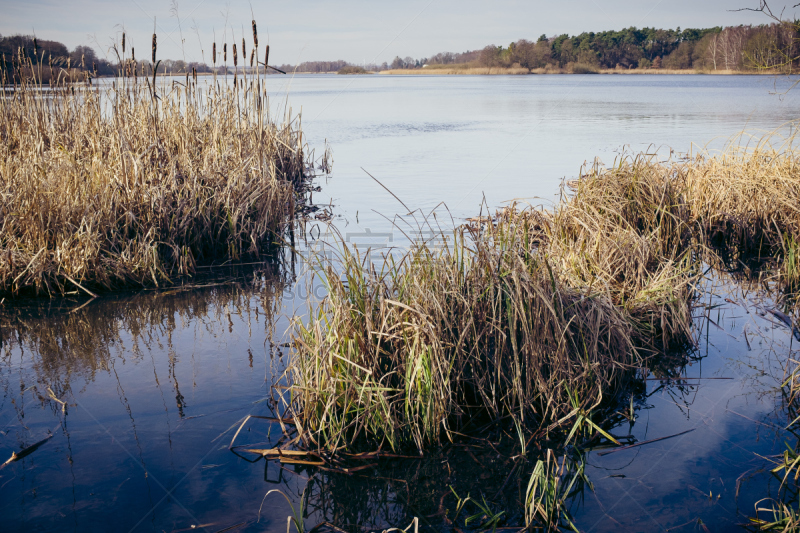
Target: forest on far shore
(770, 46)
(773, 46)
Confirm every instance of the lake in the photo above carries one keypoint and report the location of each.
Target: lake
(139, 394)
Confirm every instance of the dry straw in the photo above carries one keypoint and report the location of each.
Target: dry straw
(103, 188)
(542, 318)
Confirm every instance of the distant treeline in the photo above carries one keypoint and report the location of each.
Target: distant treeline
(773, 46)
(55, 55)
(770, 46)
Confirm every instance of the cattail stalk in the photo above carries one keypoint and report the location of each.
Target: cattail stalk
(155, 47)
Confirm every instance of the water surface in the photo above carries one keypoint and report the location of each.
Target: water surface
(156, 382)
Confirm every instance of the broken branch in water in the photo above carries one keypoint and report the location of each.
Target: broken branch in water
(25, 452)
(646, 442)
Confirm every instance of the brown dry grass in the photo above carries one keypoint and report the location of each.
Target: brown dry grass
(539, 317)
(106, 187)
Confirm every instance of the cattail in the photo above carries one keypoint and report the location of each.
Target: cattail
(94, 68)
(155, 46)
(255, 34)
(266, 58)
(83, 62)
(235, 56)
(194, 75)
(225, 52)
(214, 53)
(123, 42)
(69, 62)
(244, 52)
(252, 56)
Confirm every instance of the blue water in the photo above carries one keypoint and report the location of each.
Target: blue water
(156, 383)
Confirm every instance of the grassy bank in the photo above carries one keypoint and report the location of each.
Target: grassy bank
(540, 319)
(138, 183)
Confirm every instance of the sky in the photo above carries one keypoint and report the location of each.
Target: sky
(359, 31)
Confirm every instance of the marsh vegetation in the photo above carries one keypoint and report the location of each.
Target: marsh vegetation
(535, 328)
(138, 181)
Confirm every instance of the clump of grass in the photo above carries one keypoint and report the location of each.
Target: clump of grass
(748, 195)
(626, 235)
(581, 68)
(550, 487)
(489, 324)
(136, 184)
(781, 513)
(353, 69)
(537, 317)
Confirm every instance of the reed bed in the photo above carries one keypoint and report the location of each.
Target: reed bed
(139, 182)
(747, 199)
(411, 353)
(537, 319)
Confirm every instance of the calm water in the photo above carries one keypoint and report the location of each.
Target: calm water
(156, 383)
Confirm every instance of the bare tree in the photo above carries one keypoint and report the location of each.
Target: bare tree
(785, 44)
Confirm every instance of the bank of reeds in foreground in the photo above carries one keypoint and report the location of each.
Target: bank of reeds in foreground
(127, 185)
(540, 318)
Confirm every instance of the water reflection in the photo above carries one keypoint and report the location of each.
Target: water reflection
(135, 389)
(473, 484)
(67, 340)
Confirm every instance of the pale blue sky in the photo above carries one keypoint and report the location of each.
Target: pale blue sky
(354, 30)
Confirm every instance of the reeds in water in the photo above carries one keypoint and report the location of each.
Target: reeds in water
(134, 184)
(543, 318)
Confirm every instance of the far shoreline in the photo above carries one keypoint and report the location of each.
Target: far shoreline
(496, 71)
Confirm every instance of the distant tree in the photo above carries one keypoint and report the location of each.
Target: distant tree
(83, 57)
(491, 56)
(681, 57)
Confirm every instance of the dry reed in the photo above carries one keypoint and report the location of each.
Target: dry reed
(135, 184)
(538, 317)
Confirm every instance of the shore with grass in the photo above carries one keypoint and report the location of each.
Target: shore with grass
(446, 70)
